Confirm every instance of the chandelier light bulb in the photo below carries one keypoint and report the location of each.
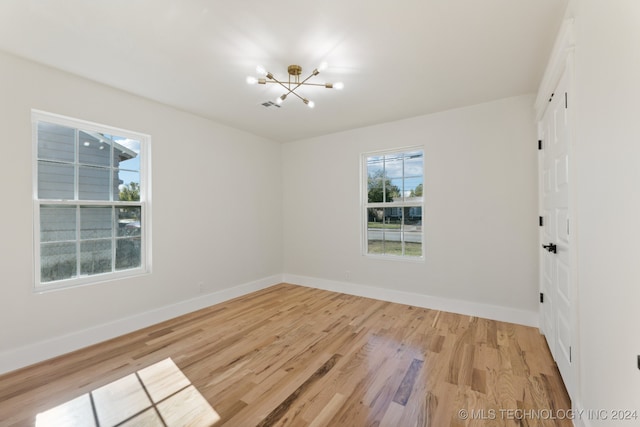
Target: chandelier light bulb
(323, 66)
(261, 70)
(251, 80)
(338, 85)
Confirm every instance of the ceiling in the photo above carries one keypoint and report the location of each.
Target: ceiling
(397, 59)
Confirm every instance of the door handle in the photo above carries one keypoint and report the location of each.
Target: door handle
(551, 247)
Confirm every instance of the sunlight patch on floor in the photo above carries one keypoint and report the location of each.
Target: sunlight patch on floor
(158, 395)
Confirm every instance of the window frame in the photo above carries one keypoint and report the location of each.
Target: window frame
(365, 205)
(144, 203)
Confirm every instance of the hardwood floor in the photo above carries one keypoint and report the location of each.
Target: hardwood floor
(296, 356)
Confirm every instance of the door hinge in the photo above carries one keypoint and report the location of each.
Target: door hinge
(569, 354)
(566, 101)
(539, 144)
(541, 221)
(541, 297)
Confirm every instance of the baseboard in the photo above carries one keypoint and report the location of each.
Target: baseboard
(494, 312)
(24, 356)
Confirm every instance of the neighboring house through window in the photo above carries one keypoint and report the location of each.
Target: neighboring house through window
(393, 203)
(91, 202)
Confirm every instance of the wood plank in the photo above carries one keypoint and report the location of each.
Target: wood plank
(296, 356)
(406, 386)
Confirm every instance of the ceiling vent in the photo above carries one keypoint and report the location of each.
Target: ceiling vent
(270, 104)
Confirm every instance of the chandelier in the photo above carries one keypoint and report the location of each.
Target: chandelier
(293, 83)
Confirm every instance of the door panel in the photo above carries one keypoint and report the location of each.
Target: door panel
(562, 173)
(562, 224)
(563, 282)
(556, 283)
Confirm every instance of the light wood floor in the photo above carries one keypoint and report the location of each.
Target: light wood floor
(296, 356)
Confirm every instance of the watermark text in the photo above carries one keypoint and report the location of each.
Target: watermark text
(549, 414)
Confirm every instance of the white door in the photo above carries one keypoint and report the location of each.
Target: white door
(557, 306)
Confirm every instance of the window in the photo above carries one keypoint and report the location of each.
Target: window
(393, 202)
(91, 202)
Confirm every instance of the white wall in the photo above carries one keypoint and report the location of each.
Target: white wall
(480, 211)
(607, 162)
(216, 215)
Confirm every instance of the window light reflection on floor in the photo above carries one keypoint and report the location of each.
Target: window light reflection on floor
(157, 395)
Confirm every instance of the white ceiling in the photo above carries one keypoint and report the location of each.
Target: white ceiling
(397, 59)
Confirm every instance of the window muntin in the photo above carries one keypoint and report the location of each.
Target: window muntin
(393, 204)
(91, 206)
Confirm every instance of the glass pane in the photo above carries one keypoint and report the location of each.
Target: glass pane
(413, 189)
(128, 253)
(393, 218)
(413, 163)
(375, 246)
(56, 142)
(94, 149)
(126, 153)
(375, 174)
(413, 217)
(57, 261)
(95, 257)
(94, 183)
(384, 231)
(385, 178)
(55, 181)
(393, 177)
(129, 221)
(375, 165)
(393, 190)
(95, 222)
(375, 232)
(413, 248)
(57, 223)
(412, 228)
(393, 165)
(413, 175)
(376, 190)
(375, 217)
(394, 231)
(128, 186)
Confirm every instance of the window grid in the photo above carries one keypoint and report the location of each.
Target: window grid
(125, 232)
(393, 204)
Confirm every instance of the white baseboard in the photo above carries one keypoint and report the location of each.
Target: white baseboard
(37, 352)
(494, 312)
(23, 356)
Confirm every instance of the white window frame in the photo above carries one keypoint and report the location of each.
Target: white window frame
(145, 202)
(365, 205)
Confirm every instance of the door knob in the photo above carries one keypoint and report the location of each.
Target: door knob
(551, 247)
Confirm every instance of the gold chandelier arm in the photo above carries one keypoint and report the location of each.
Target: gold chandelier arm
(315, 84)
(304, 82)
(294, 82)
(297, 85)
(301, 98)
(274, 80)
